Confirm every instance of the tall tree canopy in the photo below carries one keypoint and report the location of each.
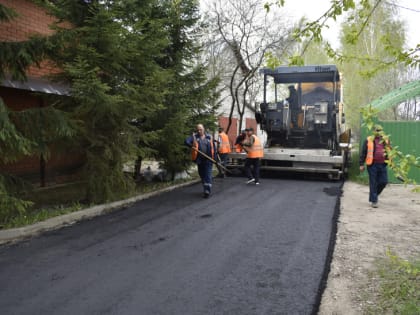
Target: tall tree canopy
(365, 61)
(189, 97)
(244, 33)
(137, 84)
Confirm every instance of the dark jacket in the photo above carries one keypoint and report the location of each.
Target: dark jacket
(204, 145)
(363, 153)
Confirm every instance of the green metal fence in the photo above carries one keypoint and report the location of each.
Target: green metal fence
(404, 134)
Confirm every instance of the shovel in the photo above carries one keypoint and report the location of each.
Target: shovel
(212, 160)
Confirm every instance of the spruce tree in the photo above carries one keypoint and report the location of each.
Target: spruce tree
(110, 63)
(190, 96)
(25, 132)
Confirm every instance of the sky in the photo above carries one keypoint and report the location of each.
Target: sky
(409, 12)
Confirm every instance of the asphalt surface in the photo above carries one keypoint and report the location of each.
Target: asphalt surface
(245, 250)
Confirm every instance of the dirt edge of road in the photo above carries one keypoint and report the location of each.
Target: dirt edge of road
(363, 235)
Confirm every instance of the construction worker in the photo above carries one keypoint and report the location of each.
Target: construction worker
(200, 141)
(293, 105)
(373, 153)
(223, 146)
(238, 142)
(252, 145)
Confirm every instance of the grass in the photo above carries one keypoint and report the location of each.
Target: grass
(395, 283)
(62, 199)
(57, 195)
(354, 172)
(42, 214)
(397, 287)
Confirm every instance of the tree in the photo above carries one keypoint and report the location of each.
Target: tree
(315, 54)
(135, 79)
(244, 33)
(110, 61)
(189, 96)
(362, 64)
(25, 132)
(312, 30)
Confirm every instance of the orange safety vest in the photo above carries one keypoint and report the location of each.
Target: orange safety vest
(238, 148)
(224, 146)
(370, 149)
(195, 148)
(256, 150)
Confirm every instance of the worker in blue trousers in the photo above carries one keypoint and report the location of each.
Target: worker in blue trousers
(202, 151)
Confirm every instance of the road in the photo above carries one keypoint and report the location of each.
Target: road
(246, 250)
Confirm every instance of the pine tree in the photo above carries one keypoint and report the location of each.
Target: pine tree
(190, 96)
(26, 132)
(110, 62)
(135, 79)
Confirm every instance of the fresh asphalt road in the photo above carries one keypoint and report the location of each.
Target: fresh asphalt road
(246, 250)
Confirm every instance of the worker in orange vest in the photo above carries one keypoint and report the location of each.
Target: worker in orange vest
(374, 154)
(255, 152)
(238, 142)
(223, 146)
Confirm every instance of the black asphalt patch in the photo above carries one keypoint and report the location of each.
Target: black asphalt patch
(266, 250)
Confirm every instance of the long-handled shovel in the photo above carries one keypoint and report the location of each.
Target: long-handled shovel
(212, 160)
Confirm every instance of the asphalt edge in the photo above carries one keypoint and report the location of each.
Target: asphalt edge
(330, 251)
(21, 233)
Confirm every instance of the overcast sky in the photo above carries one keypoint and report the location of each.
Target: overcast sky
(409, 11)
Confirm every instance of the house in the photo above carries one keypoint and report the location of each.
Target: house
(17, 96)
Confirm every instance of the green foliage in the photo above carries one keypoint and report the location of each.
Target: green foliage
(31, 217)
(11, 206)
(357, 22)
(135, 80)
(316, 54)
(6, 13)
(13, 143)
(16, 57)
(399, 163)
(24, 133)
(398, 287)
(56, 200)
(367, 64)
(354, 171)
(105, 132)
(173, 149)
(189, 96)
(110, 61)
(296, 60)
(137, 88)
(271, 61)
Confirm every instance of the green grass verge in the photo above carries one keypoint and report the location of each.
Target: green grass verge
(397, 286)
(38, 215)
(58, 200)
(354, 172)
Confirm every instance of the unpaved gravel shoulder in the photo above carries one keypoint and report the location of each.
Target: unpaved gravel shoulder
(364, 234)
